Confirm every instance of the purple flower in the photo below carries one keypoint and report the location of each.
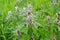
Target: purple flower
(30, 21)
(29, 8)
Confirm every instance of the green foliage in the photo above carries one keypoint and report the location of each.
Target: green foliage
(39, 30)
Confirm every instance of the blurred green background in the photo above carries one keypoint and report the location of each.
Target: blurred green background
(40, 30)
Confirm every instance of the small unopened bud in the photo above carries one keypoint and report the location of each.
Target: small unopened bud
(32, 38)
(54, 38)
(9, 16)
(42, 7)
(49, 19)
(18, 33)
(25, 12)
(17, 9)
(18, 1)
(58, 16)
(30, 21)
(9, 13)
(58, 22)
(30, 8)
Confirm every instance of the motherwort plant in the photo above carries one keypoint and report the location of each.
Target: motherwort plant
(30, 21)
(9, 16)
(29, 17)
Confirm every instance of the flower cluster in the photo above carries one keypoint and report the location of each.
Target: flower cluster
(29, 17)
(29, 8)
(49, 19)
(25, 13)
(30, 21)
(55, 1)
(17, 9)
(58, 18)
(9, 16)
